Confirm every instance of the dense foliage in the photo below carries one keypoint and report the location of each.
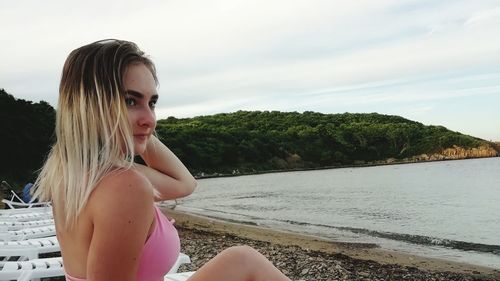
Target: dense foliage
(240, 142)
(26, 133)
(249, 141)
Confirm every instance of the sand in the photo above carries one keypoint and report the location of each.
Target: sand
(314, 258)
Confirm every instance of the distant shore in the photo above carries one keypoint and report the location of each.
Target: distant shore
(304, 257)
(369, 164)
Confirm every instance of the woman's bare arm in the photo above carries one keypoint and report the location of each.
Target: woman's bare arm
(165, 171)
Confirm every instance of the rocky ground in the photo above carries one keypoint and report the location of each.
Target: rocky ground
(304, 264)
(301, 264)
(304, 258)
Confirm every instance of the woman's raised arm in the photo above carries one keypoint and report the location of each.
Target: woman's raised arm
(165, 171)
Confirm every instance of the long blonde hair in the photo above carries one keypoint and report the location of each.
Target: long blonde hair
(93, 136)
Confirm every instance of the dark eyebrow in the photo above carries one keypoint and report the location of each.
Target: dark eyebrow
(139, 95)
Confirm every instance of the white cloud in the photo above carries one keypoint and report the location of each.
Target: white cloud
(223, 55)
(485, 17)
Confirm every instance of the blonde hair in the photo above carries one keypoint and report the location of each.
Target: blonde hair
(93, 136)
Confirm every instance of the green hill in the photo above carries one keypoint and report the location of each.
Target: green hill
(254, 141)
(250, 141)
(26, 133)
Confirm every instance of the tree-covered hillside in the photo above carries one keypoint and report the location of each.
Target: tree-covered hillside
(26, 133)
(240, 142)
(250, 141)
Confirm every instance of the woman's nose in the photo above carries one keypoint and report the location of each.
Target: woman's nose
(147, 118)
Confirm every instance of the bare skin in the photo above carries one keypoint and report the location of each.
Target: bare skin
(240, 263)
(110, 233)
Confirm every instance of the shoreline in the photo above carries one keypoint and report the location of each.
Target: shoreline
(372, 164)
(357, 255)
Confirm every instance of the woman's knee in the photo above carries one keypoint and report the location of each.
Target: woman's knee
(241, 263)
(242, 254)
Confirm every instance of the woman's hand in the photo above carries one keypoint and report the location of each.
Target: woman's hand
(165, 171)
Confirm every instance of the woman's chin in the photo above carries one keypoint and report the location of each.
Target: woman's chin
(139, 149)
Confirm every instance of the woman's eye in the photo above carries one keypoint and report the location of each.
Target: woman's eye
(152, 104)
(129, 101)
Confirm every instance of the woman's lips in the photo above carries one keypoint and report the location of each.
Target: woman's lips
(141, 137)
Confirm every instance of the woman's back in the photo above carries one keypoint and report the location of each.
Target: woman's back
(74, 242)
(112, 229)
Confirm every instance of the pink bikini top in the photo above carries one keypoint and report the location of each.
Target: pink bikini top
(160, 251)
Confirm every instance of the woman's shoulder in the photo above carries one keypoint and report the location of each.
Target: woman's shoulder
(126, 189)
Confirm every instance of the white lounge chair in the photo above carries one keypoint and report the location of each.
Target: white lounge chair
(27, 270)
(17, 225)
(21, 205)
(52, 267)
(29, 249)
(25, 216)
(28, 233)
(10, 212)
(178, 276)
(15, 202)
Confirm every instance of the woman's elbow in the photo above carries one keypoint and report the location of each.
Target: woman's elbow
(189, 187)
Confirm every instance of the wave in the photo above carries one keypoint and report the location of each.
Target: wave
(408, 238)
(413, 238)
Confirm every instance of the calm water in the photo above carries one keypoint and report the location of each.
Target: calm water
(449, 209)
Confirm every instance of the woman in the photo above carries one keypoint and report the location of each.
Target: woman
(106, 221)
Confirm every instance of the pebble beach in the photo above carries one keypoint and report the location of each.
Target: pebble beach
(311, 258)
(308, 258)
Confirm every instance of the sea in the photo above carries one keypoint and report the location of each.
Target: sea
(447, 209)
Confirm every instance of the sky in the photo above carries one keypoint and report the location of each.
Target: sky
(435, 62)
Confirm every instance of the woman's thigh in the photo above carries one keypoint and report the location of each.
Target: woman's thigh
(240, 263)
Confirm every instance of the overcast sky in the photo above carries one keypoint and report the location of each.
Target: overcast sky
(435, 62)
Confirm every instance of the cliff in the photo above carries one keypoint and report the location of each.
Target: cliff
(457, 152)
